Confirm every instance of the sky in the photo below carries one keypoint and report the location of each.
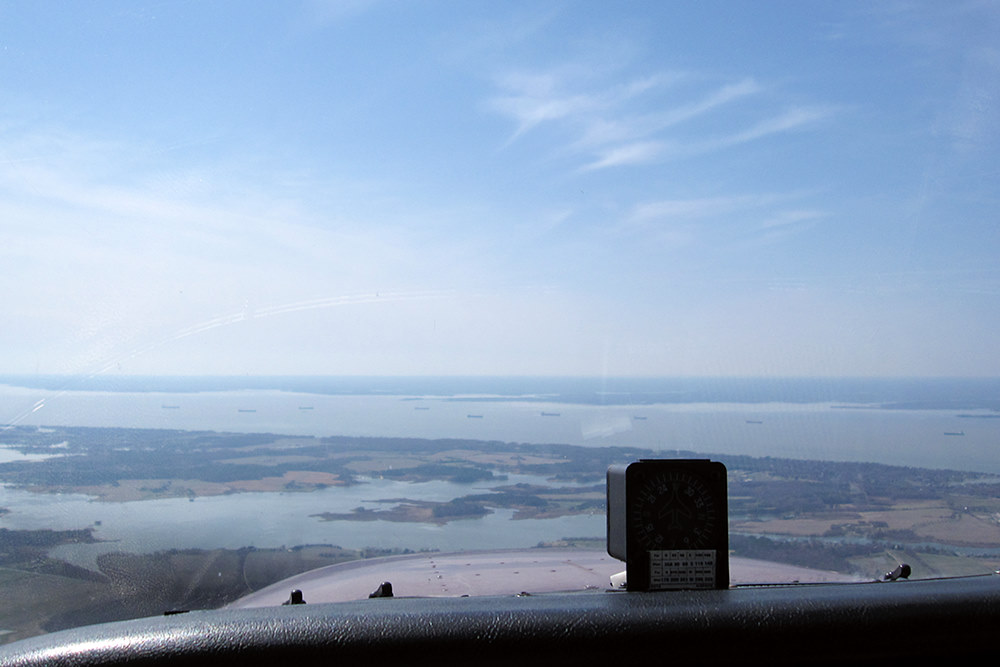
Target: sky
(501, 188)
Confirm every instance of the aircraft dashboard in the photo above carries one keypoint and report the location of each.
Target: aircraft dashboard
(867, 623)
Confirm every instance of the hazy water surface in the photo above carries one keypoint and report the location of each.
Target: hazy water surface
(914, 431)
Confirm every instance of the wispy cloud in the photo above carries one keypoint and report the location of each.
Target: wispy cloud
(788, 218)
(630, 123)
(693, 209)
(595, 113)
(637, 153)
(533, 99)
(724, 95)
(791, 119)
(765, 215)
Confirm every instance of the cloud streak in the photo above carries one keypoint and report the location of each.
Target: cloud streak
(723, 218)
(612, 126)
(642, 152)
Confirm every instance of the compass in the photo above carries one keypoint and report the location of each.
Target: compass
(668, 520)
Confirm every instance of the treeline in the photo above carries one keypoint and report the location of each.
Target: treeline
(814, 554)
(12, 540)
(459, 474)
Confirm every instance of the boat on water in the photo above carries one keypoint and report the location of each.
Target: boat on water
(954, 432)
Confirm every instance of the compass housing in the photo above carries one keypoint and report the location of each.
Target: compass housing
(668, 519)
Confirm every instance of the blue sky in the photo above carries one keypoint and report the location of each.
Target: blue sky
(582, 188)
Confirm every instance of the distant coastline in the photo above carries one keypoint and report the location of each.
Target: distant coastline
(843, 393)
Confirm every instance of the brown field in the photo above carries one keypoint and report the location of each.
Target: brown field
(933, 520)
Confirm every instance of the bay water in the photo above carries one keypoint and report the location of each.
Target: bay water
(930, 423)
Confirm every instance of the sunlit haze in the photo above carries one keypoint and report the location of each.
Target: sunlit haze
(543, 188)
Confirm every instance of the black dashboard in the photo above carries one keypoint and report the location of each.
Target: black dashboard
(871, 623)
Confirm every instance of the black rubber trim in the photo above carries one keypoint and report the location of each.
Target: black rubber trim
(876, 623)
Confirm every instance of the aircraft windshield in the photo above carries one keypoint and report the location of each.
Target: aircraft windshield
(287, 285)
